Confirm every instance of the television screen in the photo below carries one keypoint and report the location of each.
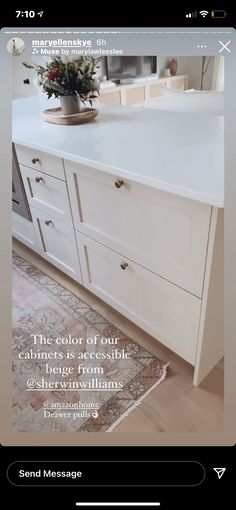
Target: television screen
(130, 67)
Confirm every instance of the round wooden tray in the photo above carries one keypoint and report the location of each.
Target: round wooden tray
(55, 116)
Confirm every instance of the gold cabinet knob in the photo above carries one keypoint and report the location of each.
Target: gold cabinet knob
(124, 265)
(39, 179)
(35, 160)
(48, 222)
(119, 183)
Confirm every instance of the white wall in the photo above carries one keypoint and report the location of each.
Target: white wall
(20, 73)
(193, 66)
(162, 63)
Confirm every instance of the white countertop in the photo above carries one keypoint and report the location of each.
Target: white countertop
(182, 153)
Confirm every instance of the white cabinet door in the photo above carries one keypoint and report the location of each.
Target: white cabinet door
(23, 230)
(57, 244)
(161, 231)
(47, 194)
(162, 309)
(46, 163)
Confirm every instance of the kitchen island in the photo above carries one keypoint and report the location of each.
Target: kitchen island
(131, 207)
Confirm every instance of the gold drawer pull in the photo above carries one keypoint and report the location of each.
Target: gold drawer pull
(35, 160)
(124, 265)
(119, 183)
(48, 222)
(39, 179)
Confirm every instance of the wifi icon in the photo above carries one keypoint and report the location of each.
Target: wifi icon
(204, 13)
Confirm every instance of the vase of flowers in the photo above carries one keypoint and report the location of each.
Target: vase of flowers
(73, 80)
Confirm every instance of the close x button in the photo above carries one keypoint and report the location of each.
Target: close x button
(106, 473)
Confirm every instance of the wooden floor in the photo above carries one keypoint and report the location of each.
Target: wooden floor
(174, 406)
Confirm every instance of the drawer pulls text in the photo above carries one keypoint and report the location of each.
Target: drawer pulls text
(39, 179)
(48, 222)
(119, 183)
(124, 265)
(35, 160)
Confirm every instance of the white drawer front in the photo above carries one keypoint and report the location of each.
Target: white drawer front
(50, 165)
(167, 312)
(161, 231)
(47, 194)
(57, 244)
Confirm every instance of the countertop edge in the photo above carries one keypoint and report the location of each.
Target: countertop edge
(212, 200)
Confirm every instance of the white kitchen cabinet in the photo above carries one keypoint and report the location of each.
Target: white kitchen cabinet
(164, 233)
(164, 310)
(23, 230)
(57, 243)
(146, 192)
(41, 161)
(47, 194)
(139, 91)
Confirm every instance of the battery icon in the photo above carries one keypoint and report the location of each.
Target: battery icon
(218, 14)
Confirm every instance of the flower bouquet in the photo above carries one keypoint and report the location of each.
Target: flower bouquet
(73, 80)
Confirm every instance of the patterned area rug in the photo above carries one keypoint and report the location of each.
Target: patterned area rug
(73, 370)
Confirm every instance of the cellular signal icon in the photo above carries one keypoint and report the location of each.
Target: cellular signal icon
(191, 14)
(203, 13)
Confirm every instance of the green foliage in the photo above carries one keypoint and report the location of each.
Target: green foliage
(63, 77)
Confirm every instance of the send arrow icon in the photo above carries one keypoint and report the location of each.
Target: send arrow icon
(219, 471)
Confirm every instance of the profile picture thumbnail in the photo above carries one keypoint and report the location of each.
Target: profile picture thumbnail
(15, 46)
